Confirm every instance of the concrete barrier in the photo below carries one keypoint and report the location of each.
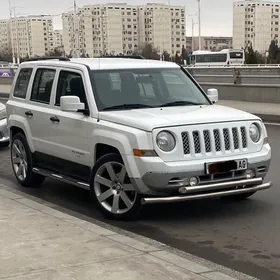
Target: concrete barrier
(5, 86)
(252, 84)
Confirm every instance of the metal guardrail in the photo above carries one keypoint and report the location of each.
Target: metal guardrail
(234, 66)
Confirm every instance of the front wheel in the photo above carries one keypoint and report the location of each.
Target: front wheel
(21, 158)
(112, 189)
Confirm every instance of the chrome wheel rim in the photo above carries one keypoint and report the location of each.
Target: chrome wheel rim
(19, 160)
(113, 188)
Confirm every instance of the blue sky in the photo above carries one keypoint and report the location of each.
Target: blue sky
(216, 15)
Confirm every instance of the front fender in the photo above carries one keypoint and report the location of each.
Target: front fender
(124, 139)
(22, 123)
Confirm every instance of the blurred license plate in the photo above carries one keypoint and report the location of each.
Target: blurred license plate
(226, 166)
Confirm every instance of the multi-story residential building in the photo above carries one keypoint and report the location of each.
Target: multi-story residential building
(122, 29)
(4, 35)
(32, 35)
(211, 43)
(163, 26)
(255, 22)
(57, 39)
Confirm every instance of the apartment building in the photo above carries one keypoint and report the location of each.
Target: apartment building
(210, 43)
(122, 29)
(57, 39)
(4, 35)
(32, 35)
(255, 22)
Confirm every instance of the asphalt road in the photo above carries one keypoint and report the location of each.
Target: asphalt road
(244, 236)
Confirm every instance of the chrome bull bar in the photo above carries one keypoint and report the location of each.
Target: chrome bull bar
(252, 185)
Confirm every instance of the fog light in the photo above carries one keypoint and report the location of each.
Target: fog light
(183, 190)
(193, 181)
(249, 174)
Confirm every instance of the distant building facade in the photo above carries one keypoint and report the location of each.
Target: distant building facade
(210, 43)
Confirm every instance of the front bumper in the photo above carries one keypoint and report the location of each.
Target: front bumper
(213, 190)
(4, 132)
(159, 178)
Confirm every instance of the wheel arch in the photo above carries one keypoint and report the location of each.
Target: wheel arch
(15, 126)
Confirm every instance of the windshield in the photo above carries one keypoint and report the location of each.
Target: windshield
(145, 88)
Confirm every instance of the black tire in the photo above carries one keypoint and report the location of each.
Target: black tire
(239, 197)
(134, 211)
(4, 144)
(31, 180)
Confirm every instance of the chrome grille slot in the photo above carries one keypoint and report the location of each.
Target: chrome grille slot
(186, 143)
(243, 136)
(235, 138)
(214, 140)
(207, 141)
(226, 139)
(196, 141)
(217, 140)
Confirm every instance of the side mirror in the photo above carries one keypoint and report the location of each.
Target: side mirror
(213, 95)
(71, 104)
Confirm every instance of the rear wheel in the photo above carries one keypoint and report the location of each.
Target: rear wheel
(21, 158)
(112, 189)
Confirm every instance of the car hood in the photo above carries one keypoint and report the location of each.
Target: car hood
(149, 119)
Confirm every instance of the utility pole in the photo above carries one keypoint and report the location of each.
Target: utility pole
(199, 25)
(193, 35)
(16, 20)
(76, 32)
(11, 31)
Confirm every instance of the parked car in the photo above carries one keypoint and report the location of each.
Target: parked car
(133, 132)
(4, 135)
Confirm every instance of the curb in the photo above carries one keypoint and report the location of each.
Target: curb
(200, 267)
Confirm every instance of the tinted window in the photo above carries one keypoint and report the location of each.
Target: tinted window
(144, 87)
(42, 85)
(22, 82)
(210, 58)
(238, 55)
(70, 83)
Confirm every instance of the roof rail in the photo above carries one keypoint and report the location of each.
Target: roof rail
(61, 58)
(123, 56)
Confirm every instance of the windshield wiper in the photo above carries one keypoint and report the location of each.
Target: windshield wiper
(180, 103)
(127, 106)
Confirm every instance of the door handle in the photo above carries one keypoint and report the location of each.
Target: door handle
(29, 113)
(55, 119)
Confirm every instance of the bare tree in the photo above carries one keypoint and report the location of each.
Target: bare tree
(149, 52)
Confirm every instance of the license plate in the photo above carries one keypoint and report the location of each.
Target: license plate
(226, 166)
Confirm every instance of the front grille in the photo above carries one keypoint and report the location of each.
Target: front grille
(216, 140)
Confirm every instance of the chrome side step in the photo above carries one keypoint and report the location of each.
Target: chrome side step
(61, 178)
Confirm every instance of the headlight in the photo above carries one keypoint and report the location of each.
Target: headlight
(165, 141)
(255, 133)
(3, 114)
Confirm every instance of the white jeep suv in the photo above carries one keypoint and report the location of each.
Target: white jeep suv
(133, 132)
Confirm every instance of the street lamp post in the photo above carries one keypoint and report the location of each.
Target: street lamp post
(199, 25)
(193, 24)
(11, 32)
(16, 22)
